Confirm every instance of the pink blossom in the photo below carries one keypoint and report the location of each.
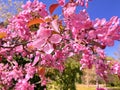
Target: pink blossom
(101, 69)
(55, 38)
(39, 43)
(23, 84)
(44, 34)
(16, 73)
(36, 59)
(87, 59)
(92, 34)
(77, 23)
(116, 68)
(27, 5)
(19, 49)
(109, 31)
(30, 71)
(25, 53)
(61, 2)
(48, 48)
(69, 9)
(83, 2)
(36, 6)
(55, 25)
(47, 60)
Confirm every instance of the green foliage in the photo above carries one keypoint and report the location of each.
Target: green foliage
(66, 80)
(89, 77)
(36, 80)
(114, 81)
(113, 88)
(22, 61)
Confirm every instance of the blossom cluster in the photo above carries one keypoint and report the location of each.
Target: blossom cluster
(35, 40)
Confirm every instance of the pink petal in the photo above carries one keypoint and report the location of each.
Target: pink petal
(35, 60)
(92, 34)
(19, 48)
(48, 48)
(43, 34)
(55, 25)
(103, 21)
(69, 9)
(110, 42)
(55, 38)
(61, 2)
(39, 43)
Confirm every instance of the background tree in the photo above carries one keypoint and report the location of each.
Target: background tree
(8, 8)
(114, 80)
(68, 78)
(117, 53)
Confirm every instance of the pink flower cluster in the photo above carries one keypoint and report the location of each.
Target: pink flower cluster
(29, 47)
(14, 72)
(80, 2)
(116, 68)
(107, 32)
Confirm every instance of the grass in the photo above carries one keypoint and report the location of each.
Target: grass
(90, 87)
(93, 87)
(85, 87)
(114, 88)
(80, 87)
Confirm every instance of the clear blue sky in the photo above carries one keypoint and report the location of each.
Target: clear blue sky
(97, 9)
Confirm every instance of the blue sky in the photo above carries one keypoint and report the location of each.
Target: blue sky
(97, 9)
(104, 8)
